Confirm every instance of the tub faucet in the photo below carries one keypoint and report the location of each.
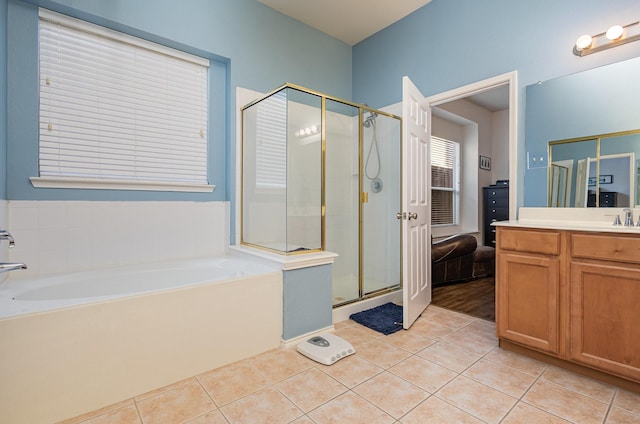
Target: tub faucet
(628, 220)
(4, 235)
(6, 267)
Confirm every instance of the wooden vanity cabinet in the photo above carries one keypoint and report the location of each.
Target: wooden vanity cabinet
(605, 303)
(528, 287)
(572, 295)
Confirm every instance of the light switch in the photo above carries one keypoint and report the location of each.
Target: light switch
(537, 160)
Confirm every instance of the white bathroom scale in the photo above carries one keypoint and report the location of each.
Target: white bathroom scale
(326, 349)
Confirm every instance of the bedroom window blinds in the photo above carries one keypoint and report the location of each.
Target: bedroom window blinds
(445, 171)
(118, 108)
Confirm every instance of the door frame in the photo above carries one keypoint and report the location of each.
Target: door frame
(510, 79)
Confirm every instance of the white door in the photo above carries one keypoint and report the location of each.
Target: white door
(582, 177)
(416, 199)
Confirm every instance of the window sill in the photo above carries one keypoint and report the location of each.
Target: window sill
(107, 184)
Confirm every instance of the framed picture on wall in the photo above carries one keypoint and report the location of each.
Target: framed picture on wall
(485, 163)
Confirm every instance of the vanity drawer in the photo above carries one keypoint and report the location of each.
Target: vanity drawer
(532, 241)
(606, 247)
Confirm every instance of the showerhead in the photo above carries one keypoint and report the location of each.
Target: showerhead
(370, 119)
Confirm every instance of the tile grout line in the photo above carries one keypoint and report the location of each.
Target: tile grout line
(521, 398)
(609, 409)
(210, 396)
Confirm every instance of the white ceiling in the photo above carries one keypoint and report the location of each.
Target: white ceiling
(492, 100)
(348, 20)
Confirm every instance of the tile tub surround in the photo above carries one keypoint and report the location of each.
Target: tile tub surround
(65, 236)
(446, 369)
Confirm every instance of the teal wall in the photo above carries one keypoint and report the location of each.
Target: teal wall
(450, 43)
(252, 45)
(3, 99)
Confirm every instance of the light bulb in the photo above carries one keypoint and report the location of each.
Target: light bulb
(614, 32)
(584, 42)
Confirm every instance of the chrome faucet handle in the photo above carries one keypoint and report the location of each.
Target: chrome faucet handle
(628, 219)
(4, 235)
(616, 221)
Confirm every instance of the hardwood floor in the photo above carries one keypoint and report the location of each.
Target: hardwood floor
(475, 297)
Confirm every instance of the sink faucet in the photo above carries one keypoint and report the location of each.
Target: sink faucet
(4, 235)
(5, 267)
(628, 220)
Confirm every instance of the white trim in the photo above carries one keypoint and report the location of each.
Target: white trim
(244, 96)
(289, 262)
(106, 184)
(510, 78)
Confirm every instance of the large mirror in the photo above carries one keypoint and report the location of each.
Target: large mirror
(586, 127)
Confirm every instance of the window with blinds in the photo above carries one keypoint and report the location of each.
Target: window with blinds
(120, 109)
(445, 177)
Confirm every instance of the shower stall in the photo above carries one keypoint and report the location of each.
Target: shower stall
(321, 173)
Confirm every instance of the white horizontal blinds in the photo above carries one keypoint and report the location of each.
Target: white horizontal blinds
(444, 176)
(117, 107)
(271, 145)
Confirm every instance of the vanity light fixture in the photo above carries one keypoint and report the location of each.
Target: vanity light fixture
(309, 134)
(613, 37)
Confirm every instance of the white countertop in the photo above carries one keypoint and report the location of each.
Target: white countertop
(567, 225)
(575, 219)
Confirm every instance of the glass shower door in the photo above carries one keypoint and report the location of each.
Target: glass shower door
(341, 199)
(381, 261)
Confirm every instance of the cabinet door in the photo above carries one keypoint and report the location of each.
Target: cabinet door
(605, 317)
(528, 299)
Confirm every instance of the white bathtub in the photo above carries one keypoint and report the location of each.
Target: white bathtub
(19, 297)
(74, 343)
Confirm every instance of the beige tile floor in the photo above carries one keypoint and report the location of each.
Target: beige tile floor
(446, 369)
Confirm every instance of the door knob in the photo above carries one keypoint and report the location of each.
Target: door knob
(413, 215)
